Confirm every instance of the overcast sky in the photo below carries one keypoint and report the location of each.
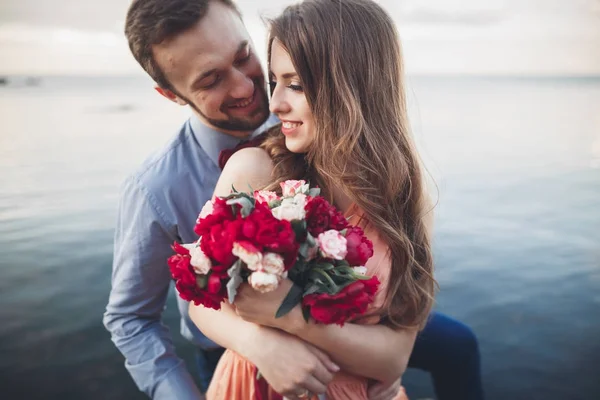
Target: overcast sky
(548, 37)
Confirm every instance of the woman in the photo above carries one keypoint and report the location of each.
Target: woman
(336, 83)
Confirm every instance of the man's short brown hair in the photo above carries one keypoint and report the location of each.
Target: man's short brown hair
(150, 22)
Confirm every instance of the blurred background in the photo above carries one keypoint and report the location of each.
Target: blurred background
(505, 105)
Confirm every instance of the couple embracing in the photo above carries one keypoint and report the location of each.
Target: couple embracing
(334, 114)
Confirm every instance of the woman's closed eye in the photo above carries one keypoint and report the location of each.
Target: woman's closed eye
(292, 86)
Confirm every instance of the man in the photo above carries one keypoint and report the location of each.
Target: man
(199, 54)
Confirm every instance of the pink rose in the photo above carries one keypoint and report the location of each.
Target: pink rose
(332, 244)
(263, 281)
(290, 188)
(265, 196)
(248, 253)
(272, 263)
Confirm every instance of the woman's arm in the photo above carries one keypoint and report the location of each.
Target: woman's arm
(289, 364)
(376, 351)
(373, 351)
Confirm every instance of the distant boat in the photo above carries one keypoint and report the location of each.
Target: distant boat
(3, 80)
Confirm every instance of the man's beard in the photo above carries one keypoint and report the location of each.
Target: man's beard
(240, 124)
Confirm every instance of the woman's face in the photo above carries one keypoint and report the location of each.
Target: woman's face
(288, 101)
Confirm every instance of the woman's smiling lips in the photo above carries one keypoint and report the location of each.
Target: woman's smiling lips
(288, 127)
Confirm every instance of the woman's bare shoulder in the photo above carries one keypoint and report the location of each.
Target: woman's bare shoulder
(246, 168)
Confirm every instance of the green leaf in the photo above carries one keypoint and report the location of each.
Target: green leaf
(306, 313)
(201, 281)
(299, 227)
(314, 288)
(274, 204)
(292, 299)
(325, 266)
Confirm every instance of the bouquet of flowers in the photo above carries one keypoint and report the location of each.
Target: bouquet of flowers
(262, 238)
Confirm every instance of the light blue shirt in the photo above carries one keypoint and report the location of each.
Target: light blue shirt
(159, 204)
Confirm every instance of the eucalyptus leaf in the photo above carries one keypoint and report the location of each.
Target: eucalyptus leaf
(310, 240)
(303, 251)
(236, 280)
(314, 192)
(244, 203)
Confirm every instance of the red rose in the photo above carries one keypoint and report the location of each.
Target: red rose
(214, 284)
(360, 249)
(351, 301)
(180, 268)
(191, 292)
(278, 237)
(218, 243)
(221, 212)
(179, 264)
(185, 280)
(322, 216)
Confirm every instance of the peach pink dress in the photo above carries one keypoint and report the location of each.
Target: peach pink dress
(235, 377)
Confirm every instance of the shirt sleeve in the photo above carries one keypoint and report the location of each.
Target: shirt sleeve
(140, 285)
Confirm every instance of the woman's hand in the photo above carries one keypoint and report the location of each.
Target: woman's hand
(260, 308)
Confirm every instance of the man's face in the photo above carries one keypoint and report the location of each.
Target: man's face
(213, 68)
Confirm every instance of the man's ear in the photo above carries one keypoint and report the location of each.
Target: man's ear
(166, 93)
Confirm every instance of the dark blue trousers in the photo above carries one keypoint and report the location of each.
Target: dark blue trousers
(446, 348)
(449, 351)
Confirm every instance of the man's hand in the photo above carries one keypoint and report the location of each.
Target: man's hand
(380, 391)
(291, 366)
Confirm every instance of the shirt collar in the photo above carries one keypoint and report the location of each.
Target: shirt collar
(213, 141)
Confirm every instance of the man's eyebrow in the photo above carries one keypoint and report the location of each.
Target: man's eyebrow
(242, 46)
(203, 75)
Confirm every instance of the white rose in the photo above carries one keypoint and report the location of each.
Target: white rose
(289, 210)
(206, 210)
(272, 263)
(248, 253)
(200, 262)
(263, 281)
(333, 244)
(360, 270)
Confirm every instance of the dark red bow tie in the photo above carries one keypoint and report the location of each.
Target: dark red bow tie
(224, 155)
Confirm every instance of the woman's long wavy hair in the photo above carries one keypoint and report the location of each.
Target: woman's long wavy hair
(348, 57)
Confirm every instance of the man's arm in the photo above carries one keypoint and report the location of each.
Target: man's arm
(140, 284)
